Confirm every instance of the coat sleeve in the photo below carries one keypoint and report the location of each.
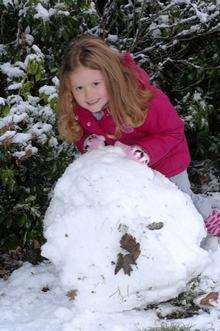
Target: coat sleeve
(79, 143)
(164, 128)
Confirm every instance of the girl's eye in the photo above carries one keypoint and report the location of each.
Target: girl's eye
(78, 88)
(96, 83)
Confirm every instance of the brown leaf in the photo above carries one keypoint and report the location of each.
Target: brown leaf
(212, 296)
(72, 294)
(127, 261)
(124, 262)
(129, 244)
(119, 263)
(136, 252)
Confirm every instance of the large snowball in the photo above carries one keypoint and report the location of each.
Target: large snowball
(102, 196)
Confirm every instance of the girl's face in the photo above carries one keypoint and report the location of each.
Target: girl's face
(88, 88)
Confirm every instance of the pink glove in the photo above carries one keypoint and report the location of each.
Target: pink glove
(135, 153)
(212, 223)
(93, 141)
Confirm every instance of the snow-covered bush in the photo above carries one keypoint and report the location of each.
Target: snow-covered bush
(169, 38)
(197, 110)
(31, 155)
(177, 42)
(120, 234)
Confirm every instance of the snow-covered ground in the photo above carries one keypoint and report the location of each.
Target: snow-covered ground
(33, 299)
(101, 197)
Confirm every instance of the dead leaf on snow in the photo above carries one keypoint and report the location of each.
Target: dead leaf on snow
(72, 294)
(124, 262)
(129, 244)
(212, 296)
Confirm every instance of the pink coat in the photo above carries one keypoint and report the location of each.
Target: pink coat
(161, 135)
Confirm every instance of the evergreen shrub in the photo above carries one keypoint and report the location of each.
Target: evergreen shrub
(32, 157)
(175, 41)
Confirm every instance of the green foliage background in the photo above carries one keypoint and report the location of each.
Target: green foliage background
(178, 44)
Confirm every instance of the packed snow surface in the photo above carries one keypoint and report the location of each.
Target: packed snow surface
(33, 299)
(102, 196)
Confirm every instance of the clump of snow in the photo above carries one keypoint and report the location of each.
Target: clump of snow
(14, 99)
(56, 81)
(7, 136)
(21, 138)
(11, 120)
(53, 142)
(33, 57)
(29, 38)
(112, 38)
(42, 12)
(40, 128)
(14, 86)
(37, 50)
(7, 2)
(48, 90)
(154, 30)
(2, 101)
(29, 150)
(102, 196)
(46, 14)
(11, 71)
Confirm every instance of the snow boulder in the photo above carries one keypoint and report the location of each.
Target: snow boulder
(121, 234)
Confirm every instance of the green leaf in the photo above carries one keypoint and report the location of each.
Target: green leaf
(7, 177)
(26, 88)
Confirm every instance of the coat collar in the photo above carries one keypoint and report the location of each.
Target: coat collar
(87, 119)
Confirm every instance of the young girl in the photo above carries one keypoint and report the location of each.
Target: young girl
(107, 99)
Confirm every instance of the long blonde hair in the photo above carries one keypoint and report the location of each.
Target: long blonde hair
(127, 101)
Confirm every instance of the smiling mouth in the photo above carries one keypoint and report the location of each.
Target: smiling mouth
(93, 102)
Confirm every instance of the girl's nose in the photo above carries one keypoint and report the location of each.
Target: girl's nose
(89, 93)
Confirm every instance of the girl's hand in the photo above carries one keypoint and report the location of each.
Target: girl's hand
(135, 153)
(93, 142)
